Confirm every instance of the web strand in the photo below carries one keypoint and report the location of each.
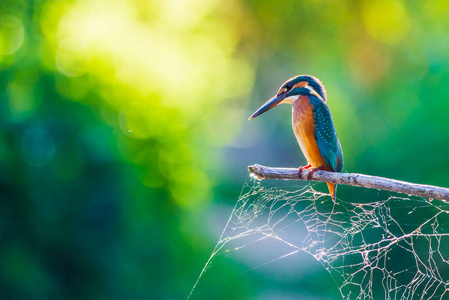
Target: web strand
(396, 248)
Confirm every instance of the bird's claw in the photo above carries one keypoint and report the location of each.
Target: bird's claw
(309, 176)
(302, 168)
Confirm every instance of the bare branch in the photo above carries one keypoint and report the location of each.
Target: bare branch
(367, 181)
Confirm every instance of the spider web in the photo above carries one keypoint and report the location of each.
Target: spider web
(395, 248)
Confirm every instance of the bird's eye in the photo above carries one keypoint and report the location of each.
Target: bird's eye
(286, 88)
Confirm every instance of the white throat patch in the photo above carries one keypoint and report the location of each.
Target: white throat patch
(290, 99)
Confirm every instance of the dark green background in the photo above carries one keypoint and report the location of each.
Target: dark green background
(125, 140)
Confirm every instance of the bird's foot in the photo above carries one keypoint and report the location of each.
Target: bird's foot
(313, 171)
(302, 168)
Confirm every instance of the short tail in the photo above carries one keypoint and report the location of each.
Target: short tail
(332, 189)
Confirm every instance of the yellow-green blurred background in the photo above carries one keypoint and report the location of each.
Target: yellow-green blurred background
(124, 137)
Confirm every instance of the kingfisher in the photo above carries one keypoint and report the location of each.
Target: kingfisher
(312, 124)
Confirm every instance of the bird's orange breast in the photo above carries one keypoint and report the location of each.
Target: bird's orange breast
(304, 128)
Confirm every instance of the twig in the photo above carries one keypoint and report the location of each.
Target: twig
(367, 181)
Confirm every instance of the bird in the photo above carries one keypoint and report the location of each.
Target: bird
(312, 124)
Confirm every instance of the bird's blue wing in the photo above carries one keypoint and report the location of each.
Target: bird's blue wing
(326, 136)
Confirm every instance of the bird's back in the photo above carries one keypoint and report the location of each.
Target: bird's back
(326, 135)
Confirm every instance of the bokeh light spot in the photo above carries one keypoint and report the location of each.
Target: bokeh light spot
(192, 190)
(72, 59)
(12, 34)
(386, 20)
(22, 97)
(132, 122)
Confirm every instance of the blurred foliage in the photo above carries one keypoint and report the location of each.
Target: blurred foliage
(124, 140)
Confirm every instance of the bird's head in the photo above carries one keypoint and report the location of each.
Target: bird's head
(291, 90)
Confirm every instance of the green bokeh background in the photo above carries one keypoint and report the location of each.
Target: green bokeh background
(125, 140)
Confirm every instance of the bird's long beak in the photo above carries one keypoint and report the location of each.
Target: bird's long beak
(269, 105)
